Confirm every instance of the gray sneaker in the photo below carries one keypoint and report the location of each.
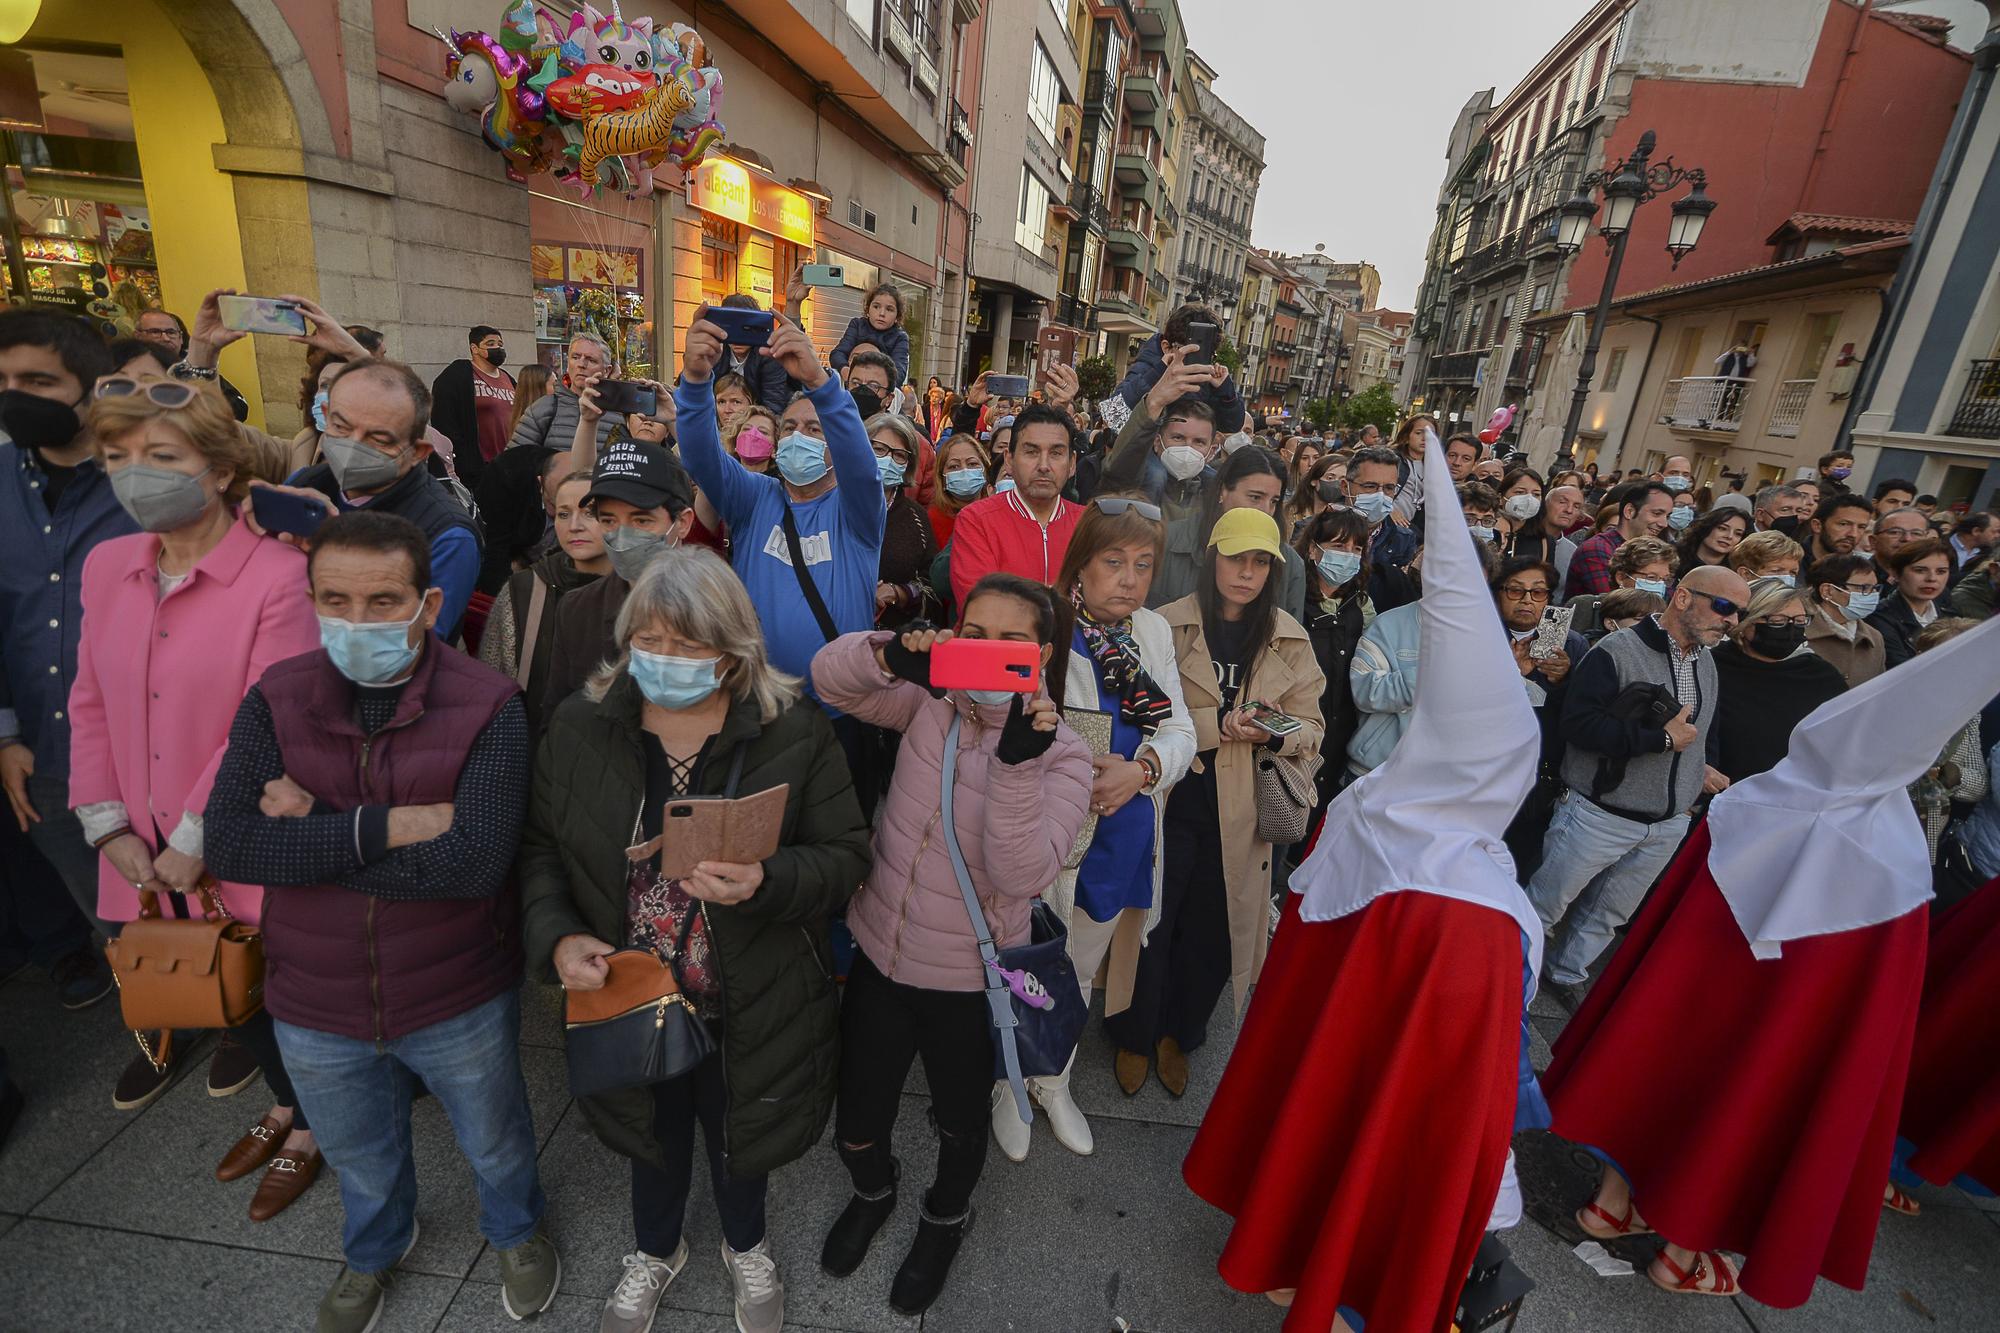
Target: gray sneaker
(353, 1304)
(760, 1297)
(529, 1274)
(631, 1307)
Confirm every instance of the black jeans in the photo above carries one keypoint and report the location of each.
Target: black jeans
(1185, 964)
(36, 911)
(659, 1197)
(884, 1025)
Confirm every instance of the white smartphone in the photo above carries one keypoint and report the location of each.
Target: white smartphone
(1549, 635)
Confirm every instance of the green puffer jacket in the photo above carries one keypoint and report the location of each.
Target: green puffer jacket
(781, 1015)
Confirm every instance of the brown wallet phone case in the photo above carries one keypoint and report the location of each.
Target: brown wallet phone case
(744, 830)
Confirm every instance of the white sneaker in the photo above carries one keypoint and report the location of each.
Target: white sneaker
(1009, 1130)
(1071, 1129)
(633, 1303)
(760, 1297)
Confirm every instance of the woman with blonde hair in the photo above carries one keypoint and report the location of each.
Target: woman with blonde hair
(180, 620)
(531, 385)
(1767, 555)
(1121, 662)
(691, 707)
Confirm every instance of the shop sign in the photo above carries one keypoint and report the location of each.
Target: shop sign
(731, 190)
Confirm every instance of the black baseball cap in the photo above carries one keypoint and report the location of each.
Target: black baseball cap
(641, 474)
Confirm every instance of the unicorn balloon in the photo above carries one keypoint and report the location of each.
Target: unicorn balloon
(484, 78)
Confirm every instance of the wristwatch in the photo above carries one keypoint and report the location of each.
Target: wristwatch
(181, 370)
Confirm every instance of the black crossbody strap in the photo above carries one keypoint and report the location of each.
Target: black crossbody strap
(806, 584)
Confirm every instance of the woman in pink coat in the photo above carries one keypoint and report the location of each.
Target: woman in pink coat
(180, 619)
(917, 985)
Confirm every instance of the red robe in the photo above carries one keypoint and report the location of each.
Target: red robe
(1952, 1108)
(1362, 1126)
(1752, 1104)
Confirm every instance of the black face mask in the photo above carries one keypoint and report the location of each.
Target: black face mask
(1789, 525)
(1777, 640)
(866, 400)
(38, 423)
(495, 356)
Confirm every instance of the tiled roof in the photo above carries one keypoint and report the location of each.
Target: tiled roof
(1825, 258)
(1836, 224)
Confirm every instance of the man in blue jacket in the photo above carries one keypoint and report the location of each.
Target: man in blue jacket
(1150, 363)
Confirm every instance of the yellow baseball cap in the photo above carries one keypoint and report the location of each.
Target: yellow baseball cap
(1246, 529)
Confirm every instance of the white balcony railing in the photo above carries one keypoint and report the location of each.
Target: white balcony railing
(1789, 409)
(1705, 402)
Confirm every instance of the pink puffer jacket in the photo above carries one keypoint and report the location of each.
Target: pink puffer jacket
(1015, 824)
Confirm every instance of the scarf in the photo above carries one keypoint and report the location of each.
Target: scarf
(1141, 702)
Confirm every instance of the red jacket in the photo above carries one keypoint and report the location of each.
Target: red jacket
(998, 535)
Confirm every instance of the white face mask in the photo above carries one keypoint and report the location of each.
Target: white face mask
(1522, 507)
(1183, 462)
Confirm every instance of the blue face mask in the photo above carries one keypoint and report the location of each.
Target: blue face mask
(801, 458)
(1676, 482)
(319, 411)
(1861, 605)
(965, 481)
(1374, 507)
(370, 654)
(673, 682)
(1337, 567)
(1004, 484)
(1480, 534)
(1679, 517)
(892, 471)
(1789, 580)
(1657, 587)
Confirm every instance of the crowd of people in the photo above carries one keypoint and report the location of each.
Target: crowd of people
(428, 739)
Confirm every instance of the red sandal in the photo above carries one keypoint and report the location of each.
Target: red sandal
(1628, 1225)
(1897, 1201)
(1689, 1282)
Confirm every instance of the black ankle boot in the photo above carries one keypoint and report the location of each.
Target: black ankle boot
(854, 1230)
(921, 1278)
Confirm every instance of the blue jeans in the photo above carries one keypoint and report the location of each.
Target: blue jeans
(358, 1095)
(1597, 866)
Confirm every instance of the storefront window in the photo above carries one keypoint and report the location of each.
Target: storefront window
(592, 265)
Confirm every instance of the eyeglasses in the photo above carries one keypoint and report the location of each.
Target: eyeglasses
(1114, 505)
(1862, 587)
(162, 393)
(1520, 594)
(1376, 488)
(901, 456)
(1776, 621)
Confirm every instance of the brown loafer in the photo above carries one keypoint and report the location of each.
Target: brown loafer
(1130, 1069)
(251, 1151)
(1173, 1066)
(289, 1177)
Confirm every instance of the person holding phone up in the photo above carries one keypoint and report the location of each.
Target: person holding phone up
(1242, 659)
(1168, 444)
(916, 986)
(1522, 589)
(690, 699)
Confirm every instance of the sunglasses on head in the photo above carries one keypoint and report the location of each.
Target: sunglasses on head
(1114, 505)
(165, 393)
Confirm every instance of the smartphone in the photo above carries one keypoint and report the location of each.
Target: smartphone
(281, 511)
(1206, 337)
(260, 314)
(1549, 635)
(987, 664)
(741, 328)
(627, 396)
(744, 830)
(1007, 386)
(1271, 720)
(823, 275)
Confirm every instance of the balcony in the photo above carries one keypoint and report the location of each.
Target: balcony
(1126, 240)
(1978, 414)
(1457, 367)
(1100, 95)
(1538, 233)
(1143, 97)
(1500, 254)
(1704, 402)
(1137, 163)
(1170, 216)
(1152, 20)
(1788, 409)
(1076, 313)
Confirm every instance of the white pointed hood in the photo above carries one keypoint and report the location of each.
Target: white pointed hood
(1828, 840)
(1432, 816)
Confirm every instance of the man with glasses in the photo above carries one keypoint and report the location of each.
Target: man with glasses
(472, 403)
(1844, 591)
(1896, 529)
(1370, 489)
(376, 412)
(1637, 727)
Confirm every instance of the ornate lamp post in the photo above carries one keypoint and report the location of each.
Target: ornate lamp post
(1635, 181)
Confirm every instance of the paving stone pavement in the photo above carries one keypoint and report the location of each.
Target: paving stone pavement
(111, 1220)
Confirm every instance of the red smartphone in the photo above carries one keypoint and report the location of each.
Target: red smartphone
(987, 664)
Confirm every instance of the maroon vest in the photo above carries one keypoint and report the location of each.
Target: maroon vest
(342, 961)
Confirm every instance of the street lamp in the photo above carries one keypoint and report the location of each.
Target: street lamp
(1635, 181)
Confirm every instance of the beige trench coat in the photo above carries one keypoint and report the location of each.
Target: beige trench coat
(1287, 676)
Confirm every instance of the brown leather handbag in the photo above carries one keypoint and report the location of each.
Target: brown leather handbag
(204, 972)
(635, 1029)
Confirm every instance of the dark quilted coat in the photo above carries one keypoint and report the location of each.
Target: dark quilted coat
(781, 1015)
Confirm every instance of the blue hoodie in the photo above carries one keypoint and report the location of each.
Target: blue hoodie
(891, 342)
